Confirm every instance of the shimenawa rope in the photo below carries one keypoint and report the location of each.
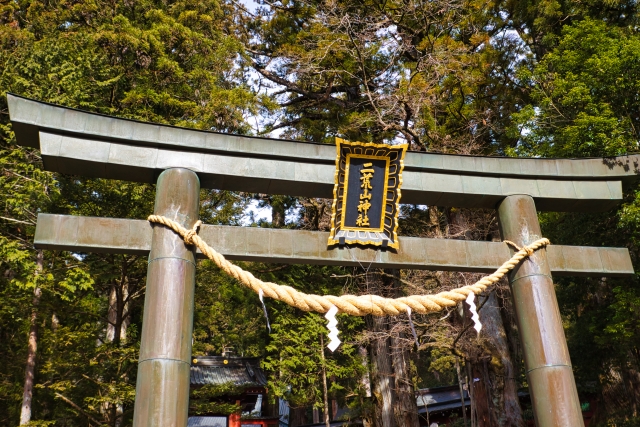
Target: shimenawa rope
(356, 305)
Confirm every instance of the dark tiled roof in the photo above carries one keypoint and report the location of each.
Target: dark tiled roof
(241, 371)
(220, 421)
(440, 399)
(356, 423)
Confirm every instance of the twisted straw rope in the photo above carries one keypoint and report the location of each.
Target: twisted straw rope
(356, 305)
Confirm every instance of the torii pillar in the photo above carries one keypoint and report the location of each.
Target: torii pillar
(552, 387)
(162, 388)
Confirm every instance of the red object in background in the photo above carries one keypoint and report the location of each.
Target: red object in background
(235, 421)
(239, 371)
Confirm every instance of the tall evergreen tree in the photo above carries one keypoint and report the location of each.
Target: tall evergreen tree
(168, 63)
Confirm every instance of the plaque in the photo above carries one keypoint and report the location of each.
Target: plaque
(366, 194)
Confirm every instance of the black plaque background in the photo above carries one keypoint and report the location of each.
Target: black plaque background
(346, 194)
(353, 193)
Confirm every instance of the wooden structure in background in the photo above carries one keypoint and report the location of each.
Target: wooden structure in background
(241, 372)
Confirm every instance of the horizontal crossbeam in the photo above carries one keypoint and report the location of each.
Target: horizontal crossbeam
(90, 234)
(81, 143)
(100, 159)
(29, 117)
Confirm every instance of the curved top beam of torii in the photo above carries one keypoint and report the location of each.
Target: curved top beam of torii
(94, 145)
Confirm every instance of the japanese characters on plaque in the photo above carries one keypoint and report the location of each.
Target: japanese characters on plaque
(366, 194)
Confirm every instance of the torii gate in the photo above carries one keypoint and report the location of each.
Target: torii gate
(181, 160)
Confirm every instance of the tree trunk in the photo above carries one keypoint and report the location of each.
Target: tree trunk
(434, 221)
(278, 211)
(118, 322)
(383, 381)
(334, 402)
(27, 395)
(297, 416)
(481, 393)
(395, 401)
(325, 392)
(461, 388)
(117, 315)
(506, 406)
(472, 396)
(620, 392)
(366, 376)
(406, 408)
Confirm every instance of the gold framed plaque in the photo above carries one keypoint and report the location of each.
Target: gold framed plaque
(366, 194)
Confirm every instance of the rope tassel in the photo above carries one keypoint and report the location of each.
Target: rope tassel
(356, 305)
(413, 329)
(264, 309)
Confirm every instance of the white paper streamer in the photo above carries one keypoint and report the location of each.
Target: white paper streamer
(474, 314)
(264, 308)
(332, 327)
(413, 329)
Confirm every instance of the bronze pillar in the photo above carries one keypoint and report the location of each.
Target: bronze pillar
(546, 356)
(162, 388)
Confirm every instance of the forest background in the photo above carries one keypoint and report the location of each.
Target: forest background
(542, 78)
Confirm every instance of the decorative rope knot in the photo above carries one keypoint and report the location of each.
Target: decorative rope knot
(528, 250)
(355, 305)
(189, 235)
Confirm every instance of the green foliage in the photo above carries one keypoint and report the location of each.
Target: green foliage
(169, 63)
(294, 357)
(424, 72)
(145, 60)
(456, 422)
(76, 279)
(581, 104)
(621, 422)
(40, 423)
(443, 362)
(226, 315)
(206, 399)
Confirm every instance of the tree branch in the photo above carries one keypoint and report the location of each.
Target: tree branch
(78, 408)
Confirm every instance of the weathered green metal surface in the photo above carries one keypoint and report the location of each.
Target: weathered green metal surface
(100, 159)
(77, 142)
(162, 388)
(29, 117)
(554, 396)
(88, 234)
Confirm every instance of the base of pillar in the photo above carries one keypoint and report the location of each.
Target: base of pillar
(166, 390)
(554, 397)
